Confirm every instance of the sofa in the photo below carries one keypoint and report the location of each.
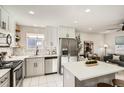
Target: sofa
(119, 62)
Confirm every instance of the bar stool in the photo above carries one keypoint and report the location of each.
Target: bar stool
(118, 82)
(101, 84)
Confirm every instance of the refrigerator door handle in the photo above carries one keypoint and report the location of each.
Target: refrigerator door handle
(69, 57)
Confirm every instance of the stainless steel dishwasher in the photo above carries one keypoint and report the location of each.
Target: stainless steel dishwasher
(51, 65)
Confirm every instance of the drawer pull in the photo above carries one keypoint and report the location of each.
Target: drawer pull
(1, 82)
(4, 80)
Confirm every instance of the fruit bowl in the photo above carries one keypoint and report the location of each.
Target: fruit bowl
(91, 63)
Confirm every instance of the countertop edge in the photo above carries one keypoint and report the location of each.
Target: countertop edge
(4, 71)
(81, 79)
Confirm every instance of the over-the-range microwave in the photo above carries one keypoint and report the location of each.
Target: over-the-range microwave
(5, 40)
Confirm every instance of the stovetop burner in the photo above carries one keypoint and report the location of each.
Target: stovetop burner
(10, 64)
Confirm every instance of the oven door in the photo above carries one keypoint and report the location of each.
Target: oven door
(18, 75)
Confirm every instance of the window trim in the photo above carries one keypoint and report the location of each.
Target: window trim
(34, 35)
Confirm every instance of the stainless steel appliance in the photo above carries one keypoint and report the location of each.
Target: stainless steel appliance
(67, 51)
(16, 72)
(18, 75)
(5, 40)
(51, 65)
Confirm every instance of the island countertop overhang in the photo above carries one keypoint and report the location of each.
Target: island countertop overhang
(83, 72)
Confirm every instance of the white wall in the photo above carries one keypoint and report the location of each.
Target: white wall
(98, 40)
(11, 31)
(23, 42)
(110, 40)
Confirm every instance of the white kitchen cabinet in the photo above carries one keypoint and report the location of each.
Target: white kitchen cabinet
(34, 66)
(29, 67)
(64, 60)
(51, 38)
(73, 59)
(39, 66)
(55, 65)
(66, 32)
(5, 80)
(12, 27)
(68, 79)
(4, 22)
(8, 20)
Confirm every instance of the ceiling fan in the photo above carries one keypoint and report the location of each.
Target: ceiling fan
(119, 27)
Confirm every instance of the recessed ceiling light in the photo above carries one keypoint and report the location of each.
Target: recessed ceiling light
(106, 32)
(43, 26)
(87, 10)
(75, 22)
(90, 28)
(31, 12)
(35, 25)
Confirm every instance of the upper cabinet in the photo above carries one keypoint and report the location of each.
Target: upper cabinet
(7, 24)
(51, 37)
(66, 32)
(4, 20)
(12, 27)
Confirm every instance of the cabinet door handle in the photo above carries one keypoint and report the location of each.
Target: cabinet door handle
(4, 80)
(35, 64)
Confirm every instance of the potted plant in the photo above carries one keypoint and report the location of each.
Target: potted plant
(79, 46)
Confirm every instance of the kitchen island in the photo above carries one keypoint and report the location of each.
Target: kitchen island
(78, 74)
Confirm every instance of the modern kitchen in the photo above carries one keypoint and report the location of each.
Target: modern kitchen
(50, 46)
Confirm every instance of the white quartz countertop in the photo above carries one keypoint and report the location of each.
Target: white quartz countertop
(23, 57)
(16, 58)
(3, 72)
(50, 55)
(83, 72)
(43, 56)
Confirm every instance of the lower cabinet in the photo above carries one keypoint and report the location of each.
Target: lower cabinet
(5, 80)
(34, 66)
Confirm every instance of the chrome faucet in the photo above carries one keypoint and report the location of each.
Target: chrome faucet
(37, 50)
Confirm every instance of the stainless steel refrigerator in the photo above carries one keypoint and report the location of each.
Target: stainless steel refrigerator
(67, 52)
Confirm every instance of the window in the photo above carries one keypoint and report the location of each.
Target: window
(35, 40)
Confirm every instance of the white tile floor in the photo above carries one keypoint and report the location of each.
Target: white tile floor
(53, 80)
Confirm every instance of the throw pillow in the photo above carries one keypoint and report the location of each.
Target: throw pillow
(115, 57)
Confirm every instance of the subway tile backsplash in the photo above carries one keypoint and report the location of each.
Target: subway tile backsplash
(8, 50)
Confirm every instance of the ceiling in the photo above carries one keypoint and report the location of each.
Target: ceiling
(98, 19)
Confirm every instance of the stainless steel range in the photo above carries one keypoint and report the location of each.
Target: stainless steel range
(16, 72)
